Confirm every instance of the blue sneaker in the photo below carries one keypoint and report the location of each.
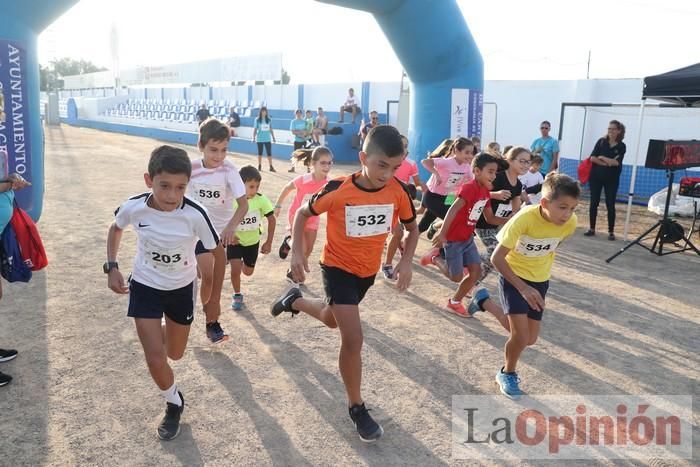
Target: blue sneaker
(215, 334)
(508, 383)
(237, 303)
(479, 297)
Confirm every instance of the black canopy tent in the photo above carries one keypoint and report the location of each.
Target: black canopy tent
(680, 87)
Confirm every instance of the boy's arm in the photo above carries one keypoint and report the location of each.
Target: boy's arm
(418, 182)
(229, 233)
(299, 263)
(439, 239)
(288, 188)
(115, 279)
(271, 224)
(529, 293)
(404, 267)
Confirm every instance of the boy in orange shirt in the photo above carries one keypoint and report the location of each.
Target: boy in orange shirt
(360, 211)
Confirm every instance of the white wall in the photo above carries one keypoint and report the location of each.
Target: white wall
(329, 96)
(379, 93)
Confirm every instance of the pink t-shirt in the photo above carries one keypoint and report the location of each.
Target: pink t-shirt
(452, 173)
(406, 170)
(306, 187)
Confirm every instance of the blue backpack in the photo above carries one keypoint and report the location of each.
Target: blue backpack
(12, 267)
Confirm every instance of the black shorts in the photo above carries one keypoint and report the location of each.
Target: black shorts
(435, 204)
(147, 302)
(344, 288)
(514, 303)
(299, 145)
(199, 248)
(412, 190)
(249, 254)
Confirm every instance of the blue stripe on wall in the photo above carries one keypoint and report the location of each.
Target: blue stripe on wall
(364, 102)
(250, 93)
(300, 97)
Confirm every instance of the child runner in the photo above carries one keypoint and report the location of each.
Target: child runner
(448, 176)
(532, 181)
(162, 282)
(215, 184)
(305, 186)
(407, 171)
(262, 134)
(505, 201)
(242, 254)
(457, 233)
(524, 257)
(360, 211)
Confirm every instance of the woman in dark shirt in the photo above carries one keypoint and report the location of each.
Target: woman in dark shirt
(607, 158)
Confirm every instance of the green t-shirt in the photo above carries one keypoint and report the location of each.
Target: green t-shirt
(310, 124)
(251, 228)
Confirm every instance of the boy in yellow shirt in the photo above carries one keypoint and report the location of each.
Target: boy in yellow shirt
(524, 257)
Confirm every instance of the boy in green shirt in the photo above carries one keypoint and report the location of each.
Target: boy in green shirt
(243, 253)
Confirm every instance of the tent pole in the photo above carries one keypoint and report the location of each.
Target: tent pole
(633, 179)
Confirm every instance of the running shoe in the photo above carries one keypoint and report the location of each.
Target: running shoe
(272, 169)
(291, 170)
(284, 303)
(169, 426)
(427, 259)
(369, 430)
(237, 303)
(611, 237)
(215, 333)
(508, 383)
(589, 233)
(4, 379)
(431, 232)
(388, 271)
(7, 354)
(477, 300)
(285, 247)
(458, 309)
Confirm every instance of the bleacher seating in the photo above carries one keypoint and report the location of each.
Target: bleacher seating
(180, 110)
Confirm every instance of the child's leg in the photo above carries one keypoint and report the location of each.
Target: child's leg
(350, 357)
(213, 307)
(394, 242)
(534, 331)
(444, 268)
(497, 311)
(268, 150)
(205, 267)
(317, 309)
(519, 338)
(488, 238)
(236, 269)
(467, 283)
(309, 241)
(176, 336)
(260, 151)
(150, 334)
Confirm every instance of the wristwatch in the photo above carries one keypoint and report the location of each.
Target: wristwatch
(109, 265)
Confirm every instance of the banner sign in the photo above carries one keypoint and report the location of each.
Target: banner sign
(466, 113)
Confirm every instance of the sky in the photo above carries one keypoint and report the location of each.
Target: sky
(322, 43)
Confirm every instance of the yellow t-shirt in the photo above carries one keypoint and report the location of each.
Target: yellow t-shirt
(532, 241)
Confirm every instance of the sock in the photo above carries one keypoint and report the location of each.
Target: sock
(172, 396)
(237, 294)
(507, 372)
(454, 302)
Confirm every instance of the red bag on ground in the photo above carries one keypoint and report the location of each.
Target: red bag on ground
(584, 170)
(29, 240)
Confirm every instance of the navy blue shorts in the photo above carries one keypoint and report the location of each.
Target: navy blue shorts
(514, 303)
(199, 248)
(344, 288)
(147, 302)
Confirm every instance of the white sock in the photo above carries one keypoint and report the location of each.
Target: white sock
(454, 302)
(171, 395)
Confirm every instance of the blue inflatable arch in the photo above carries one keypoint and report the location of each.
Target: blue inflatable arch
(431, 39)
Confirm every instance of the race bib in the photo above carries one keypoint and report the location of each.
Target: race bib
(535, 247)
(476, 211)
(166, 259)
(209, 195)
(453, 179)
(264, 127)
(504, 210)
(368, 220)
(250, 222)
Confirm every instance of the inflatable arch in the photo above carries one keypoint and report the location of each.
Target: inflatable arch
(431, 39)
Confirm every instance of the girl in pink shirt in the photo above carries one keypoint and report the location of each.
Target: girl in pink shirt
(448, 176)
(306, 186)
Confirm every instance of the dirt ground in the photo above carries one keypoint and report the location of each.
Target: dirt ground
(272, 395)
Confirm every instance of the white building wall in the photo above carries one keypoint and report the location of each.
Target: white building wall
(329, 96)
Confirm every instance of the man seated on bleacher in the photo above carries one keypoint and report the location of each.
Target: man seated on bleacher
(202, 114)
(351, 105)
(234, 121)
(320, 127)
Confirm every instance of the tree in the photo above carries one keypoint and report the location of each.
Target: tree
(50, 80)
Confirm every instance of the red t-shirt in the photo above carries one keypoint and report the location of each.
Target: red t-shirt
(476, 198)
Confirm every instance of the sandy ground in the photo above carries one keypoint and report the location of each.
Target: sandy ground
(273, 395)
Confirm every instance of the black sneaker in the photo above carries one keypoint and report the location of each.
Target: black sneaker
(169, 427)
(611, 237)
(7, 354)
(272, 169)
(284, 303)
(431, 232)
(285, 247)
(589, 233)
(4, 379)
(369, 430)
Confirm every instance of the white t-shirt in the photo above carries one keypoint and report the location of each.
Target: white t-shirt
(531, 179)
(351, 100)
(216, 189)
(166, 240)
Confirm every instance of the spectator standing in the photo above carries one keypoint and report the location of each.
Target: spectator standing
(262, 134)
(547, 148)
(365, 127)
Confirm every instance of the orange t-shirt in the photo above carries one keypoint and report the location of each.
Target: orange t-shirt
(359, 220)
